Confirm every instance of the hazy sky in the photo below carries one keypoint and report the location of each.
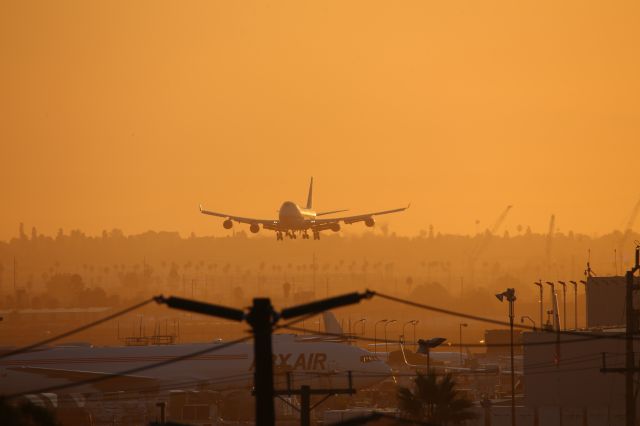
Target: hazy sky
(128, 114)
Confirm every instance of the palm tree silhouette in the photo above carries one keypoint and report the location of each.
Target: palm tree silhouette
(435, 400)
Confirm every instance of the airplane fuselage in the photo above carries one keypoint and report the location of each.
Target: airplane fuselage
(319, 364)
(292, 216)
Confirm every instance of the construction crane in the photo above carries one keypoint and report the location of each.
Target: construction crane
(628, 229)
(486, 239)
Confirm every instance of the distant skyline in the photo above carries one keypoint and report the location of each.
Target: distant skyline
(119, 115)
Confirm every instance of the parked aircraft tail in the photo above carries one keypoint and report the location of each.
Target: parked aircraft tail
(331, 324)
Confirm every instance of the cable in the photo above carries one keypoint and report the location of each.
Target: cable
(153, 365)
(471, 345)
(494, 321)
(76, 330)
(217, 346)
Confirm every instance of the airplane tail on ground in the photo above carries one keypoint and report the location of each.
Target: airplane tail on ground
(331, 324)
(310, 196)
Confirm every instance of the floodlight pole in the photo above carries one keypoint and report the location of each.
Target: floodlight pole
(539, 284)
(564, 303)
(575, 303)
(510, 295)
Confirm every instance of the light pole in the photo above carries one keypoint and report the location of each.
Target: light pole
(564, 303)
(427, 345)
(539, 284)
(412, 322)
(510, 295)
(575, 304)
(522, 318)
(363, 321)
(586, 305)
(415, 342)
(462, 324)
(386, 342)
(375, 338)
(553, 294)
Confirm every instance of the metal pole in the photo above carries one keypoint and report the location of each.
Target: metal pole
(513, 380)
(630, 407)
(539, 284)
(575, 304)
(305, 405)
(260, 318)
(564, 303)
(460, 340)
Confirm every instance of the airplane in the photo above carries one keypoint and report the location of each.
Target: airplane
(320, 364)
(294, 219)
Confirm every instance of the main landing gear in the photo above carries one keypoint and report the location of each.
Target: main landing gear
(280, 236)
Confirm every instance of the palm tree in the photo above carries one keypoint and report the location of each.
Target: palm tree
(435, 400)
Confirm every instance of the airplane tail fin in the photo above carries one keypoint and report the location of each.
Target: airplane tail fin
(331, 324)
(310, 196)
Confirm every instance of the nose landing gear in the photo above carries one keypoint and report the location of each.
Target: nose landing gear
(316, 235)
(279, 236)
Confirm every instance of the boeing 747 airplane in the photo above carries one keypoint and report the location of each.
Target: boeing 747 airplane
(293, 219)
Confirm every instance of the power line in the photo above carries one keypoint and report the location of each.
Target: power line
(76, 330)
(494, 321)
(456, 345)
(217, 346)
(93, 380)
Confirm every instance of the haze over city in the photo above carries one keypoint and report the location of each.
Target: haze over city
(459, 108)
(465, 171)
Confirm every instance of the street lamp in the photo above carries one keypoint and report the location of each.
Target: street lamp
(586, 305)
(553, 294)
(386, 342)
(425, 347)
(564, 303)
(462, 324)
(539, 284)
(413, 323)
(363, 321)
(522, 318)
(575, 304)
(375, 339)
(510, 295)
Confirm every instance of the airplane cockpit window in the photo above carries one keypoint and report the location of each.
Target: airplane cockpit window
(368, 358)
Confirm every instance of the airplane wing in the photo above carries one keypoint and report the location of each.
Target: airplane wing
(264, 222)
(358, 218)
(112, 382)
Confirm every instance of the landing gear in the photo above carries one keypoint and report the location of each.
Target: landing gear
(305, 236)
(316, 235)
(279, 236)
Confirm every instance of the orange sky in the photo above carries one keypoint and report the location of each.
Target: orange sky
(128, 114)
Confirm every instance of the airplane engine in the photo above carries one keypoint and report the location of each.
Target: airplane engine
(335, 227)
(254, 228)
(228, 224)
(369, 222)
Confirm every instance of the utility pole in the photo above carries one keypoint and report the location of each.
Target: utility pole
(510, 295)
(305, 393)
(629, 369)
(630, 403)
(262, 317)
